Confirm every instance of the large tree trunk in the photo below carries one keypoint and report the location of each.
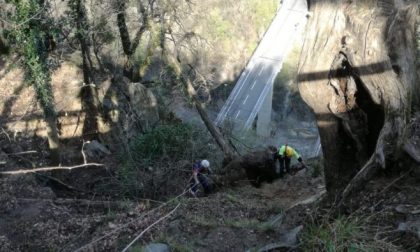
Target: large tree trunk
(357, 72)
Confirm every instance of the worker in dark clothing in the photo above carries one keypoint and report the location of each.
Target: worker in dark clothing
(199, 169)
(284, 155)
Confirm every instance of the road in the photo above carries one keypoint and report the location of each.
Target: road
(257, 79)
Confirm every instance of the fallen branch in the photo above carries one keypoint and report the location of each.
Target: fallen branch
(52, 168)
(21, 153)
(149, 227)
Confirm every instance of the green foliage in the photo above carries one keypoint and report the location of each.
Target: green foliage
(234, 223)
(145, 150)
(317, 167)
(224, 29)
(342, 234)
(264, 11)
(31, 37)
(148, 45)
(221, 27)
(158, 150)
(164, 140)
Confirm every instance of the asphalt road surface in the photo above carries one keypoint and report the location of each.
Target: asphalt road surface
(257, 79)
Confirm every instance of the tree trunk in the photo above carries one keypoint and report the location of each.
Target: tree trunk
(130, 46)
(3, 46)
(357, 72)
(89, 94)
(122, 27)
(53, 139)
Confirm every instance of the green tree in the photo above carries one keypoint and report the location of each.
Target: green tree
(32, 41)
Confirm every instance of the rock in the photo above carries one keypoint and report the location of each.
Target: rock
(408, 209)
(94, 149)
(157, 247)
(311, 199)
(3, 158)
(410, 226)
(290, 237)
(288, 241)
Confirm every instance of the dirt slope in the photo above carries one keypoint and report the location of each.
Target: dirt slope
(32, 218)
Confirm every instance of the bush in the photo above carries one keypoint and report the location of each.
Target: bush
(161, 153)
(343, 234)
(171, 141)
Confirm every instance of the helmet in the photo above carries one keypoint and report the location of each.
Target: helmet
(205, 163)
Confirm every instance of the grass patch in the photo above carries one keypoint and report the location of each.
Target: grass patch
(233, 223)
(250, 224)
(205, 222)
(343, 234)
(232, 198)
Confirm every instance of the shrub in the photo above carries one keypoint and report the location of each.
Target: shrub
(163, 152)
(343, 234)
(163, 141)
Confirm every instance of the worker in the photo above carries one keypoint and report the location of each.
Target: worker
(199, 169)
(284, 155)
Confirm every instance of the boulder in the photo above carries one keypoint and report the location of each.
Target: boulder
(157, 247)
(410, 226)
(288, 241)
(95, 150)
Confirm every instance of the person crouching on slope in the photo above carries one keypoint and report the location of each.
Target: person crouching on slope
(198, 177)
(284, 155)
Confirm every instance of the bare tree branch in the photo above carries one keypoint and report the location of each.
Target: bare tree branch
(53, 168)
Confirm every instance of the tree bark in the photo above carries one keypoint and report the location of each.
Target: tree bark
(88, 94)
(4, 49)
(356, 73)
(130, 46)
